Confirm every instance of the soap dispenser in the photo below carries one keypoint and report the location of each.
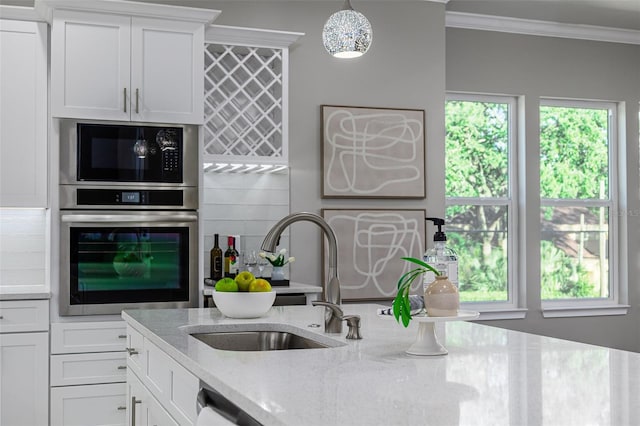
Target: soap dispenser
(443, 258)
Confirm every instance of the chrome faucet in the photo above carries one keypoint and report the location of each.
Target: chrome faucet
(332, 324)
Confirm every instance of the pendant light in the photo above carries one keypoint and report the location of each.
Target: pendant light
(347, 33)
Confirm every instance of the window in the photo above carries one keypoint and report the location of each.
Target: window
(577, 199)
(480, 192)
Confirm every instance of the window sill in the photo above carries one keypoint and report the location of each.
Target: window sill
(495, 312)
(583, 311)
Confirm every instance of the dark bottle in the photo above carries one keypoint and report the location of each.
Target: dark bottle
(215, 254)
(230, 259)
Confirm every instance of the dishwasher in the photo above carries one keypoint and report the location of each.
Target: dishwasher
(216, 410)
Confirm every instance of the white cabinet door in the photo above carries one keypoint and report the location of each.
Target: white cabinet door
(143, 408)
(23, 114)
(115, 67)
(24, 368)
(90, 65)
(167, 71)
(90, 405)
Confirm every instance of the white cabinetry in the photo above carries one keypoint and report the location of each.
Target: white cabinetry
(160, 390)
(23, 114)
(116, 67)
(88, 373)
(246, 110)
(24, 363)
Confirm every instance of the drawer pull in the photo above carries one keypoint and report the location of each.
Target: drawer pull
(122, 336)
(122, 367)
(132, 351)
(1, 317)
(121, 407)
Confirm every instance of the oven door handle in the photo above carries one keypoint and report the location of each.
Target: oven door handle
(127, 218)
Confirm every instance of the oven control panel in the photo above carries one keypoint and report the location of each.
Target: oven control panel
(129, 197)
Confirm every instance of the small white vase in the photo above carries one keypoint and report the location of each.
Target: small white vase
(441, 298)
(277, 273)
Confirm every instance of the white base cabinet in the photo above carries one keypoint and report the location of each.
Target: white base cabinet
(24, 363)
(88, 373)
(160, 390)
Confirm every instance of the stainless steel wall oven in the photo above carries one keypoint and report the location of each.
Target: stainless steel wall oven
(128, 217)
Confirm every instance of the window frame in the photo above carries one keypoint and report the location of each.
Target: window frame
(514, 307)
(615, 303)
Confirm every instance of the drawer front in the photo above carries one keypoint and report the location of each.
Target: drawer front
(81, 337)
(89, 368)
(89, 405)
(24, 315)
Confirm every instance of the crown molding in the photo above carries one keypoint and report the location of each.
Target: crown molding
(19, 13)
(132, 8)
(241, 36)
(475, 21)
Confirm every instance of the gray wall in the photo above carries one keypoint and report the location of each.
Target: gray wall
(534, 67)
(404, 68)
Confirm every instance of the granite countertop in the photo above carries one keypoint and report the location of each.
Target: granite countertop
(491, 376)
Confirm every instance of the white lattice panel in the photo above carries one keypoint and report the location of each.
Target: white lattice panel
(244, 103)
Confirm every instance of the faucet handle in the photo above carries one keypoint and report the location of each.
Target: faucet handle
(353, 321)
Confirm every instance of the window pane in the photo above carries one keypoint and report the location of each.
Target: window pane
(479, 235)
(574, 255)
(573, 153)
(477, 142)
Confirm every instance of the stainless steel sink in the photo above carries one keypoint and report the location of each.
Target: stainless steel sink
(257, 340)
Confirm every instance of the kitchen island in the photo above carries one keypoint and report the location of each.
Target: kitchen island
(491, 376)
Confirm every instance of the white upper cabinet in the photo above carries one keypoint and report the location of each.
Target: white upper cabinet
(126, 66)
(90, 66)
(23, 113)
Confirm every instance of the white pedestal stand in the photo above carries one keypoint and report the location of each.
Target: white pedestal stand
(426, 343)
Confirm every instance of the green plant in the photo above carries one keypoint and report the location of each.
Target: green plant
(401, 304)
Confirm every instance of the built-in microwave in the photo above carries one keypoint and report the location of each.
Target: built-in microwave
(114, 153)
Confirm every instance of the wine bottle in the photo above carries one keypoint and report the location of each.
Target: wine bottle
(215, 254)
(229, 258)
(234, 264)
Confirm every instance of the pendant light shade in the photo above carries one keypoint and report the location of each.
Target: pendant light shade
(347, 33)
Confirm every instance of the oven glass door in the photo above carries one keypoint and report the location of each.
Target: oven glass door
(114, 260)
(120, 153)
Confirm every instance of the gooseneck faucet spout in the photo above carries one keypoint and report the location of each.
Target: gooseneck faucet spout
(332, 285)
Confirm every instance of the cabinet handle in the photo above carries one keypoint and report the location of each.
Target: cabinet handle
(137, 99)
(121, 407)
(1, 317)
(125, 99)
(122, 367)
(132, 351)
(134, 401)
(122, 336)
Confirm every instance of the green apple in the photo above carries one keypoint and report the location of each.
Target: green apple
(243, 279)
(226, 284)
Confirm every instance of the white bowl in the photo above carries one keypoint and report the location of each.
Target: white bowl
(244, 304)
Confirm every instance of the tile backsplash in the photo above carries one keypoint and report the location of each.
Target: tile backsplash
(244, 204)
(23, 250)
